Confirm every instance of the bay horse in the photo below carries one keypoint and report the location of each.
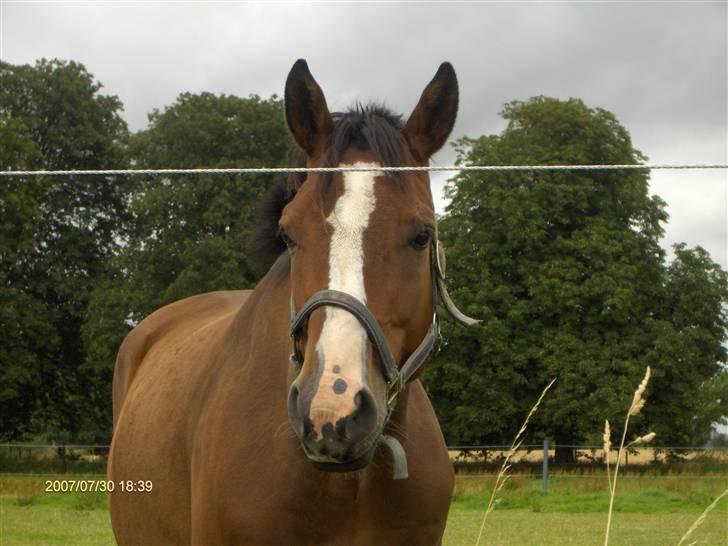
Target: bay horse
(292, 414)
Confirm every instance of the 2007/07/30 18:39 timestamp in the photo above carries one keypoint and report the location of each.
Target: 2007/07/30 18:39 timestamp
(103, 486)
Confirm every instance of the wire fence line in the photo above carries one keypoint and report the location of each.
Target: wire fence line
(352, 168)
(488, 447)
(532, 462)
(53, 446)
(526, 447)
(594, 476)
(478, 476)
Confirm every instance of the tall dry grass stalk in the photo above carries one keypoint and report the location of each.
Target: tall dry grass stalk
(502, 477)
(638, 402)
(701, 519)
(607, 439)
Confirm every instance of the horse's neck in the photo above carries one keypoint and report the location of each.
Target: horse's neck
(261, 324)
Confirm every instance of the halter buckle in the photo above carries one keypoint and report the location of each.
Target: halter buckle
(394, 387)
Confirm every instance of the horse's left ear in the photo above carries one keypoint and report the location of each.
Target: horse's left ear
(307, 115)
(433, 118)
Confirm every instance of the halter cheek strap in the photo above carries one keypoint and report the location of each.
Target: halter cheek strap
(439, 276)
(396, 377)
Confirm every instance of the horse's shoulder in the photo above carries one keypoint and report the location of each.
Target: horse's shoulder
(191, 307)
(191, 311)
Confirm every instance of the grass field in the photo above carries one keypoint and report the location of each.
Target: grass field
(650, 510)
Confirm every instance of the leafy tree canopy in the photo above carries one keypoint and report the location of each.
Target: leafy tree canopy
(566, 271)
(187, 234)
(55, 236)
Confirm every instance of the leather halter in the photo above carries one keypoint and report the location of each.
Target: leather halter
(396, 378)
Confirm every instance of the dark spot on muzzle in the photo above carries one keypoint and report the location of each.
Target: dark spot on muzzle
(340, 386)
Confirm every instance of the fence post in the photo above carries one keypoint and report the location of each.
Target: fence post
(545, 471)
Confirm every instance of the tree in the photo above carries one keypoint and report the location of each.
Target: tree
(57, 234)
(690, 390)
(566, 270)
(188, 233)
(22, 326)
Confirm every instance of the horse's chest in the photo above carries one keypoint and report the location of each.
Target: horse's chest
(347, 514)
(361, 524)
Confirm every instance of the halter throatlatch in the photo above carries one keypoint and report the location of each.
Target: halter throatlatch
(396, 378)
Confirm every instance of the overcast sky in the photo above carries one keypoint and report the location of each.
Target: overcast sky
(660, 67)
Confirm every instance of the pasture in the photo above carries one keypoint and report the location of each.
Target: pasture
(651, 509)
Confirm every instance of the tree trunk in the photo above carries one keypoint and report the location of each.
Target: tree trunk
(565, 455)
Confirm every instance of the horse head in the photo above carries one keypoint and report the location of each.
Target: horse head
(365, 267)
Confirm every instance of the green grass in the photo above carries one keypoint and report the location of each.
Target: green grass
(31, 517)
(649, 510)
(586, 494)
(527, 528)
(48, 525)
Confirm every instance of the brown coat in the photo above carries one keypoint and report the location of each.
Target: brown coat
(201, 384)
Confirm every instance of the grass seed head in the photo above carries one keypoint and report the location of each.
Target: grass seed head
(646, 439)
(607, 437)
(638, 401)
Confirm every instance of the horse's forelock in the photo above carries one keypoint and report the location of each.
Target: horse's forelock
(367, 127)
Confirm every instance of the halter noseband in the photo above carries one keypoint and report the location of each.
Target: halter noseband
(396, 378)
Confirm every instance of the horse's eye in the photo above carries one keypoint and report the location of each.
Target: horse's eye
(422, 239)
(290, 243)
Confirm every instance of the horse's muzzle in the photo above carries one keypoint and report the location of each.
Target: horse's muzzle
(333, 441)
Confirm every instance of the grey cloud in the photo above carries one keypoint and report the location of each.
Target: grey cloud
(660, 67)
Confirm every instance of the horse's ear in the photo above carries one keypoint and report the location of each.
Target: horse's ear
(307, 115)
(433, 118)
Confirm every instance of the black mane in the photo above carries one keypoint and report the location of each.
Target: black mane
(368, 127)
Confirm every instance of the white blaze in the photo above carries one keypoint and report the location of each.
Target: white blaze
(343, 339)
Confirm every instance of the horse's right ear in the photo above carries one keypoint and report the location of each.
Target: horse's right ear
(433, 118)
(307, 115)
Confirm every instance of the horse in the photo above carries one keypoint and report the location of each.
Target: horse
(293, 414)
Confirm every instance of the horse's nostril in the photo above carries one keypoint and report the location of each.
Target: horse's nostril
(364, 418)
(293, 398)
